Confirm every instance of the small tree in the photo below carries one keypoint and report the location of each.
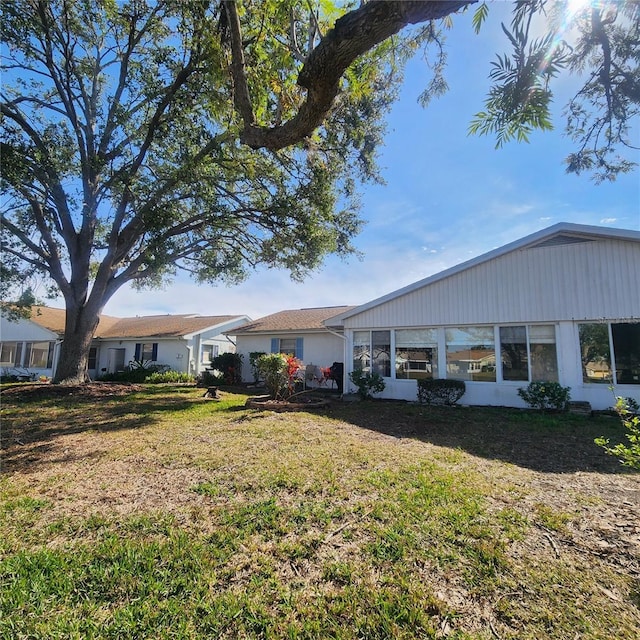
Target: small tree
(629, 455)
(279, 371)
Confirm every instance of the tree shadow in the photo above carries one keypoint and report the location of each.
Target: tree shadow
(35, 424)
(551, 443)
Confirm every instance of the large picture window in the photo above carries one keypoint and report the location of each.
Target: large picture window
(8, 352)
(595, 353)
(471, 354)
(361, 351)
(626, 350)
(610, 353)
(41, 355)
(416, 354)
(529, 353)
(381, 353)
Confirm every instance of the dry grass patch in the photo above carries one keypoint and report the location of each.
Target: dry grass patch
(160, 514)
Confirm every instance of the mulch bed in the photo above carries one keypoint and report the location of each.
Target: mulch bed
(88, 390)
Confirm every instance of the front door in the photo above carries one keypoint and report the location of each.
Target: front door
(116, 360)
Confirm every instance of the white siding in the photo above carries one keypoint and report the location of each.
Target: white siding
(23, 330)
(321, 349)
(586, 280)
(168, 352)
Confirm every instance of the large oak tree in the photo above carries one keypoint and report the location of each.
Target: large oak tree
(144, 137)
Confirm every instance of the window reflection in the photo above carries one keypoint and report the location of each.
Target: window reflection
(595, 353)
(626, 350)
(416, 355)
(471, 354)
(381, 351)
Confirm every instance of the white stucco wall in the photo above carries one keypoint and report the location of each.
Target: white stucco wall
(173, 353)
(320, 348)
(24, 331)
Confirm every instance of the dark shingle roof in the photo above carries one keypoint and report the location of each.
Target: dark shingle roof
(292, 320)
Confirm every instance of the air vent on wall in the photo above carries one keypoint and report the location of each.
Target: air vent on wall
(561, 239)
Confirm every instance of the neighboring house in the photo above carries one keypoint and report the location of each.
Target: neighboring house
(298, 332)
(184, 343)
(562, 304)
(27, 348)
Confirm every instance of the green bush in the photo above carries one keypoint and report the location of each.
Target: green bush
(137, 372)
(253, 363)
(173, 377)
(150, 374)
(546, 395)
(210, 379)
(278, 370)
(367, 383)
(440, 391)
(230, 366)
(629, 455)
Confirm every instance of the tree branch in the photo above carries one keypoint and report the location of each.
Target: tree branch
(354, 34)
(241, 97)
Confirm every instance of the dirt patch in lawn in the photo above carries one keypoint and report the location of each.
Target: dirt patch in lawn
(28, 392)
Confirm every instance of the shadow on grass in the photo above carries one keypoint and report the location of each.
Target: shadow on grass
(35, 420)
(553, 443)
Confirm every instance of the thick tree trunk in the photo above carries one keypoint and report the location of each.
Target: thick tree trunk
(81, 324)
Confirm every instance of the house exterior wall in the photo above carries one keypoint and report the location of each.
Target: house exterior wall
(587, 280)
(319, 348)
(561, 286)
(171, 352)
(24, 332)
(505, 392)
(200, 345)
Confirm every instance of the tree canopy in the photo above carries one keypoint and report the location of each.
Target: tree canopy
(145, 137)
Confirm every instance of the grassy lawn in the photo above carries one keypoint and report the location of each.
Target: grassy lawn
(161, 514)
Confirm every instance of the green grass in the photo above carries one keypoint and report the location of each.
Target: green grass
(163, 515)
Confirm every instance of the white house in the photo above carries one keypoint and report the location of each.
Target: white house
(184, 343)
(27, 349)
(562, 304)
(297, 332)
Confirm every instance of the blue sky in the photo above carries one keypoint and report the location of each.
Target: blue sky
(448, 197)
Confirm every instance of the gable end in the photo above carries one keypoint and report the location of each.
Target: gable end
(560, 239)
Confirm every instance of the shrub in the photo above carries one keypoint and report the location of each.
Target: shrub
(253, 363)
(440, 391)
(230, 366)
(210, 379)
(137, 372)
(367, 383)
(150, 374)
(629, 455)
(173, 377)
(278, 371)
(546, 395)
